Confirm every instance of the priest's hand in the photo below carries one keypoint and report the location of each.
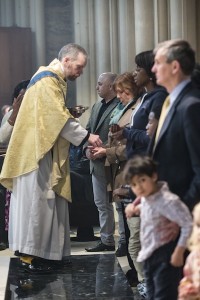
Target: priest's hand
(94, 140)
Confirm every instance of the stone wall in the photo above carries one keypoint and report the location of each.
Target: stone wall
(59, 31)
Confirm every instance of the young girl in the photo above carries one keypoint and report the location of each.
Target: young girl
(189, 288)
(157, 206)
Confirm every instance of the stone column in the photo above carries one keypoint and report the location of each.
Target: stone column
(114, 45)
(161, 28)
(176, 19)
(22, 13)
(102, 35)
(84, 35)
(7, 13)
(190, 28)
(113, 31)
(2, 13)
(126, 35)
(37, 26)
(96, 30)
(144, 25)
(17, 13)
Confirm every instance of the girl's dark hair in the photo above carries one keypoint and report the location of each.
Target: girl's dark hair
(156, 109)
(22, 85)
(139, 165)
(145, 60)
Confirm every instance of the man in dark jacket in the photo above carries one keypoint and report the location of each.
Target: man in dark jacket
(99, 123)
(177, 144)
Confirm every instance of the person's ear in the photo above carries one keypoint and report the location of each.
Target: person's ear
(111, 87)
(175, 66)
(65, 60)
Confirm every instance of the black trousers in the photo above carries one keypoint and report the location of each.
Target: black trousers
(3, 233)
(162, 279)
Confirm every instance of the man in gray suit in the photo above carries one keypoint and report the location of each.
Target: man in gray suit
(99, 124)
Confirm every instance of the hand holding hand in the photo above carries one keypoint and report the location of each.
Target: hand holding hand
(99, 152)
(94, 140)
(88, 152)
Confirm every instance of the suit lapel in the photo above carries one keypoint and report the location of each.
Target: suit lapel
(172, 112)
(166, 122)
(95, 113)
(107, 112)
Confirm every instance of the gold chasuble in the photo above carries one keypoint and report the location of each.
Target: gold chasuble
(41, 118)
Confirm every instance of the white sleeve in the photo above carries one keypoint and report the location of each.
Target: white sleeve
(176, 211)
(5, 133)
(73, 132)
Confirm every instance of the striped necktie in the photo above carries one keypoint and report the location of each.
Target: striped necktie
(162, 117)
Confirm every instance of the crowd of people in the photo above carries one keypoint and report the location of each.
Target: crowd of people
(142, 143)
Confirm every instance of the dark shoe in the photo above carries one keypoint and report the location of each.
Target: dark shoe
(37, 266)
(17, 253)
(100, 247)
(27, 288)
(121, 250)
(131, 276)
(30, 285)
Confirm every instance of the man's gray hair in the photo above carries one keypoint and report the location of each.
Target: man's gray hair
(109, 76)
(72, 50)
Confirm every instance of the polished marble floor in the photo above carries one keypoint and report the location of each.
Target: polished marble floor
(91, 276)
(96, 276)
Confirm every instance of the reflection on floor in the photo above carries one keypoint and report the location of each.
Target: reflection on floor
(81, 278)
(96, 276)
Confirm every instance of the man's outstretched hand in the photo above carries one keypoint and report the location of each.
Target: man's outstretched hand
(94, 140)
